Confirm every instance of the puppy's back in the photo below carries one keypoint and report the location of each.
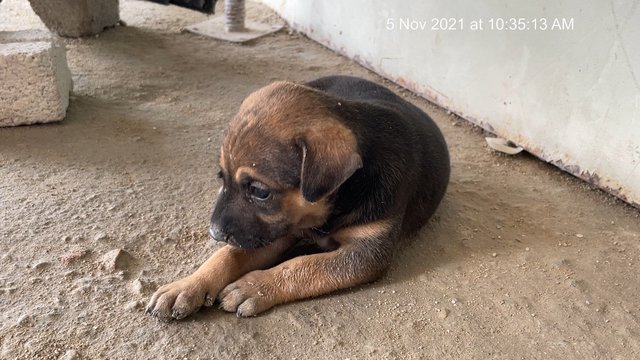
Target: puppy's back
(353, 88)
(364, 91)
(427, 177)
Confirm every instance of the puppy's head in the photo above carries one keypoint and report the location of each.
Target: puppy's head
(283, 156)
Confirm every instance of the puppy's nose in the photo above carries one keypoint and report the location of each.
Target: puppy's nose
(217, 234)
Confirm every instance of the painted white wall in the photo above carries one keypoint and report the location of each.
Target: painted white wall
(571, 97)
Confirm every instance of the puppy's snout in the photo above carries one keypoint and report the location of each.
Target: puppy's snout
(217, 234)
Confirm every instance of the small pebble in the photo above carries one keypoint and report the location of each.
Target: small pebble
(70, 274)
(24, 320)
(494, 254)
(133, 305)
(41, 265)
(117, 259)
(579, 235)
(100, 236)
(140, 286)
(137, 287)
(444, 313)
(70, 355)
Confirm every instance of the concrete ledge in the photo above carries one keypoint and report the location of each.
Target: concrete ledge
(75, 18)
(35, 80)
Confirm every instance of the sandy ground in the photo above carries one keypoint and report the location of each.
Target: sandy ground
(521, 262)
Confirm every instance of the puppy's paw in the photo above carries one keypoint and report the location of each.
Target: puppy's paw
(249, 295)
(180, 298)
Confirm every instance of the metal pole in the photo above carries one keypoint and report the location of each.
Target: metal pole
(234, 15)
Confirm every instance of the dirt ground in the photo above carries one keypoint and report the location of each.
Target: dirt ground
(522, 261)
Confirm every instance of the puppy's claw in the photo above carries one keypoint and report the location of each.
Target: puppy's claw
(232, 300)
(156, 314)
(209, 300)
(178, 314)
(247, 308)
(182, 313)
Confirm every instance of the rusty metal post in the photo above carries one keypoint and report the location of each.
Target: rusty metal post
(233, 26)
(234, 16)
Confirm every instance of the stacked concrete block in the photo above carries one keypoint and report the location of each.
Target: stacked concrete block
(75, 18)
(35, 80)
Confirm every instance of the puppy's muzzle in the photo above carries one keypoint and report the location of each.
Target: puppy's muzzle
(217, 234)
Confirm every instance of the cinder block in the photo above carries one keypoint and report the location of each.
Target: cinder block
(35, 80)
(75, 18)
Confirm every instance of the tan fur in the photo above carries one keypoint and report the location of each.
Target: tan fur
(304, 213)
(223, 159)
(299, 212)
(178, 299)
(254, 174)
(372, 230)
(229, 262)
(302, 277)
(285, 111)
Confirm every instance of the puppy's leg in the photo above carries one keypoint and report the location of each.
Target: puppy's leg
(364, 254)
(180, 298)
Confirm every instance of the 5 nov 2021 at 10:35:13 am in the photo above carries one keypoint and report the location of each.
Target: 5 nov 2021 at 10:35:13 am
(480, 24)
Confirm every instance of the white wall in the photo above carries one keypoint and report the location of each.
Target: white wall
(571, 97)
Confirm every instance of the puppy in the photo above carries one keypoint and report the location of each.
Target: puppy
(339, 160)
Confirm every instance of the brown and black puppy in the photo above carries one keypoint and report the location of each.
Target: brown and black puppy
(339, 160)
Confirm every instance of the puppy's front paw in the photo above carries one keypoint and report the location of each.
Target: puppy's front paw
(180, 298)
(250, 295)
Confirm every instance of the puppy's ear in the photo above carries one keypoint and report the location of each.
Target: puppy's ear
(326, 164)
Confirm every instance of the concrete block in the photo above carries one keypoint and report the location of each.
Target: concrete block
(75, 18)
(35, 80)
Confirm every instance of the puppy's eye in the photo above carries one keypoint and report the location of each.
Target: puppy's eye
(259, 192)
(220, 174)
